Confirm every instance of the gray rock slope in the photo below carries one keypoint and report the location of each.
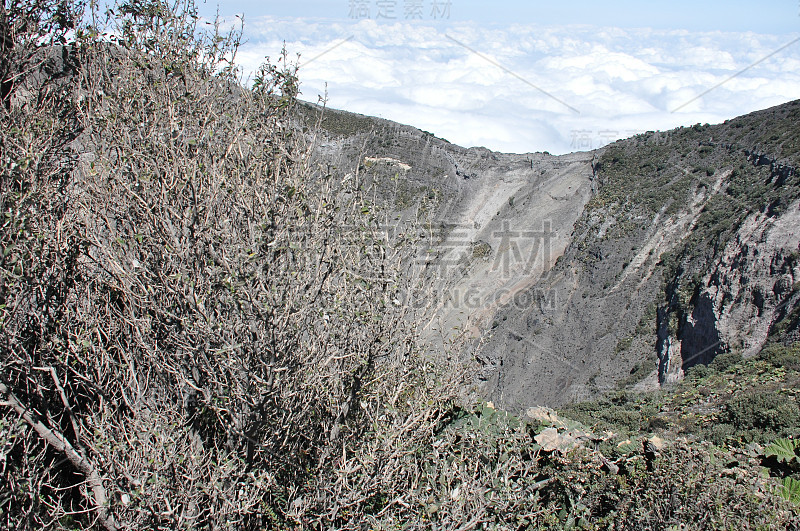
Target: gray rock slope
(579, 274)
(487, 225)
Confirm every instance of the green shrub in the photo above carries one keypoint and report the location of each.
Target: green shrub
(720, 434)
(657, 424)
(782, 356)
(764, 411)
(723, 361)
(697, 372)
(687, 483)
(481, 250)
(619, 411)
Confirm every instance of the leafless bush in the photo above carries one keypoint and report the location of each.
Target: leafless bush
(40, 249)
(196, 322)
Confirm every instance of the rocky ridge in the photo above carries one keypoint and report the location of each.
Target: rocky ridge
(579, 274)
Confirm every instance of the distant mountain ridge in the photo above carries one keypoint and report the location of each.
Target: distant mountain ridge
(619, 267)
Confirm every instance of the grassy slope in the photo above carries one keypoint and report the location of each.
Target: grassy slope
(694, 454)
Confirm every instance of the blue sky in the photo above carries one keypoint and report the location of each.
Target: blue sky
(768, 16)
(533, 76)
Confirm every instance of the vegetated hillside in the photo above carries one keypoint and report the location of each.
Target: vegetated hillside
(688, 249)
(741, 412)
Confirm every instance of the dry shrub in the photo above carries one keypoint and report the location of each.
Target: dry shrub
(197, 323)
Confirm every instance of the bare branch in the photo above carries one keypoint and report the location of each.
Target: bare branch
(55, 439)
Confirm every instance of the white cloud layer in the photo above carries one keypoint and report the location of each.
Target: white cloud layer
(620, 81)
